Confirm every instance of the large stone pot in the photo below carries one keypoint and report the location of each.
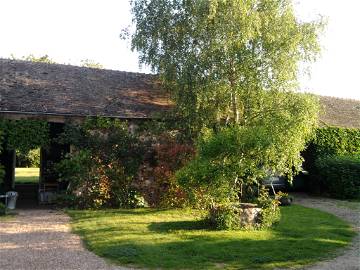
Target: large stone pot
(249, 214)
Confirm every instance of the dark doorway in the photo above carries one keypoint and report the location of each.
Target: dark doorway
(44, 189)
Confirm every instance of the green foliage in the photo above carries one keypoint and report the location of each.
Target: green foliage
(232, 66)
(339, 176)
(46, 59)
(29, 159)
(327, 149)
(238, 156)
(226, 217)
(2, 209)
(2, 171)
(232, 216)
(284, 198)
(91, 64)
(25, 135)
(336, 141)
(270, 212)
(219, 57)
(42, 59)
(102, 169)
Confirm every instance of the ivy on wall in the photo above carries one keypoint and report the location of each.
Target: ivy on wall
(2, 171)
(24, 135)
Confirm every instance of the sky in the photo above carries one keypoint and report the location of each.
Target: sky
(73, 30)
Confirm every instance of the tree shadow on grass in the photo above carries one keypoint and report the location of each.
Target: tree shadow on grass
(188, 225)
(95, 214)
(202, 253)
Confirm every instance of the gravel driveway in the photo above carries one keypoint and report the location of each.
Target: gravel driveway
(349, 258)
(41, 240)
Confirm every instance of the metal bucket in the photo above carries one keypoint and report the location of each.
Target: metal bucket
(11, 199)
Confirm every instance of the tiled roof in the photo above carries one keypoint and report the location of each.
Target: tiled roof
(340, 112)
(40, 88)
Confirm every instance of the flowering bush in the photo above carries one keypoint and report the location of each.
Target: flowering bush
(157, 180)
(101, 170)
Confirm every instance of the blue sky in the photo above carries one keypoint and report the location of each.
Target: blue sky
(70, 31)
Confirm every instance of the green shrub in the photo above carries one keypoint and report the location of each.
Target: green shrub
(225, 216)
(336, 141)
(2, 209)
(101, 171)
(228, 216)
(327, 148)
(339, 176)
(270, 211)
(331, 141)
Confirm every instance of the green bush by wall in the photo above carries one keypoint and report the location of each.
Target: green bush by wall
(339, 176)
(332, 160)
(336, 141)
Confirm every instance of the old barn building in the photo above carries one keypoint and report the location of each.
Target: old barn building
(59, 93)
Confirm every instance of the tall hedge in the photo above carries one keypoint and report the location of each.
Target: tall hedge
(336, 141)
(332, 160)
(339, 176)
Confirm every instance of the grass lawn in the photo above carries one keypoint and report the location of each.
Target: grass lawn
(178, 239)
(27, 175)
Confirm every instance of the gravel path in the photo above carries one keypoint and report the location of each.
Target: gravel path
(41, 240)
(348, 259)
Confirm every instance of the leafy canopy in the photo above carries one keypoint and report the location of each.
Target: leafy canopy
(218, 56)
(237, 157)
(232, 67)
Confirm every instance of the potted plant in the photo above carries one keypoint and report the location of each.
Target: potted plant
(284, 198)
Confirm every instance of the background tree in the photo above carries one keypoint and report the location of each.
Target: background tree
(46, 59)
(218, 56)
(43, 59)
(232, 66)
(91, 64)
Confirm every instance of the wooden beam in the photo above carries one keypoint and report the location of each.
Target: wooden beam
(8, 160)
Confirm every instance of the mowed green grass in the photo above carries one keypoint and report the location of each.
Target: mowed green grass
(26, 175)
(178, 239)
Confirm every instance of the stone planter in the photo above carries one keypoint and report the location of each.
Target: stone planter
(235, 216)
(249, 214)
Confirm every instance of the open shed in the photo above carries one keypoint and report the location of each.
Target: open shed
(64, 93)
